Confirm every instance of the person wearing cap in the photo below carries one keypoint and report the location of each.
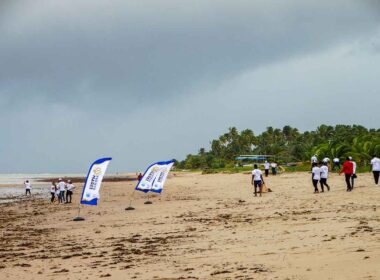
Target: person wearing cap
(69, 192)
(353, 176)
(313, 159)
(61, 186)
(348, 170)
(28, 188)
(266, 168)
(336, 163)
(324, 169)
(375, 162)
(315, 176)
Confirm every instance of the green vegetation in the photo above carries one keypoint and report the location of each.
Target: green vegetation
(288, 145)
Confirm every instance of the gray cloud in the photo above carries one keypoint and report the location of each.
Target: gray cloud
(104, 69)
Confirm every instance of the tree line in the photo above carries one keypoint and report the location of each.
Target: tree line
(288, 145)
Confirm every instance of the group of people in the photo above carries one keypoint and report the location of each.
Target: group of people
(268, 165)
(62, 190)
(320, 172)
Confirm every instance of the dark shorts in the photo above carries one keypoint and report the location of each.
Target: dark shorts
(257, 183)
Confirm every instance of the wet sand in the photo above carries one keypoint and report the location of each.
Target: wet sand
(201, 227)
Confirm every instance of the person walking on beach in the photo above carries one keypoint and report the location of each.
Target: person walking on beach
(347, 169)
(57, 193)
(315, 176)
(274, 168)
(336, 164)
(354, 176)
(257, 180)
(324, 169)
(375, 162)
(69, 192)
(266, 168)
(61, 187)
(28, 188)
(313, 159)
(139, 177)
(53, 190)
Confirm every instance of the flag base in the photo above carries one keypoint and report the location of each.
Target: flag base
(78, 219)
(148, 202)
(129, 208)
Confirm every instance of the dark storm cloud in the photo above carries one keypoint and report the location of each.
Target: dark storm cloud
(147, 80)
(128, 51)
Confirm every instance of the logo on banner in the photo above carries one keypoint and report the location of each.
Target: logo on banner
(97, 171)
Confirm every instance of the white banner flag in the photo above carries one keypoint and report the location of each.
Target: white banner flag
(155, 176)
(90, 194)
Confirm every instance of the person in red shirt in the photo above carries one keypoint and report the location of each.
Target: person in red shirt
(348, 170)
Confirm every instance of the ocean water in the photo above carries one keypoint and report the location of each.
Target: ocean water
(18, 179)
(12, 185)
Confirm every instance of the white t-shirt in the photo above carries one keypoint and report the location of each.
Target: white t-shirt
(61, 186)
(70, 187)
(375, 162)
(28, 185)
(266, 165)
(324, 171)
(313, 159)
(273, 164)
(336, 160)
(354, 166)
(52, 189)
(256, 174)
(316, 173)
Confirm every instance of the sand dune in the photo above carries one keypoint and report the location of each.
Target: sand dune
(201, 227)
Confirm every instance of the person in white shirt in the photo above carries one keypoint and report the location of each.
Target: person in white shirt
(353, 176)
(53, 189)
(315, 176)
(324, 169)
(336, 162)
(57, 193)
(375, 162)
(61, 186)
(314, 159)
(266, 168)
(274, 168)
(69, 193)
(257, 179)
(28, 188)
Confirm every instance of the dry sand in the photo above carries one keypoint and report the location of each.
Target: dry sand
(201, 227)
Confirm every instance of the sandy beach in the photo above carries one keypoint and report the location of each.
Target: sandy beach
(201, 227)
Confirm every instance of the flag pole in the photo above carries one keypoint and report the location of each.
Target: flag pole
(148, 201)
(78, 218)
(130, 202)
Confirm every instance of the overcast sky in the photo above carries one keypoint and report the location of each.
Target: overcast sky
(152, 80)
